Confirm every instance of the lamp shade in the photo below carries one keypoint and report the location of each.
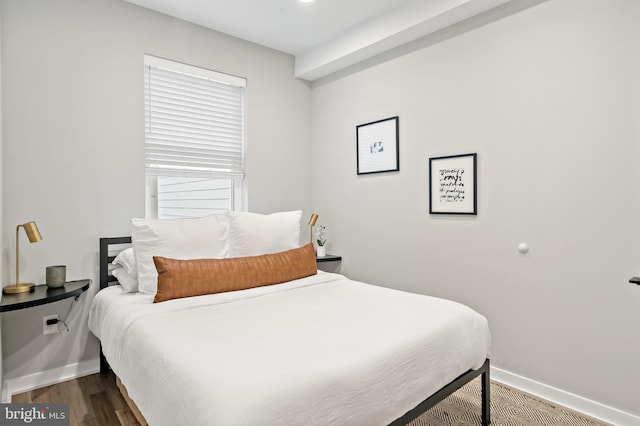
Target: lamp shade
(32, 232)
(312, 222)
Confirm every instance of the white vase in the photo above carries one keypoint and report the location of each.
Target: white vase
(321, 251)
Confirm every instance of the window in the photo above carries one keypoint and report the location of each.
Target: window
(194, 140)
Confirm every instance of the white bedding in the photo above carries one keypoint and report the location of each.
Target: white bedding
(320, 350)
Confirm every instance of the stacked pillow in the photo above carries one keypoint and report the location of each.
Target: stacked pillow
(252, 234)
(218, 236)
(203, 237)
(126, 270)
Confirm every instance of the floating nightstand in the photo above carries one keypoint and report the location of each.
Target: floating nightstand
(328, 258)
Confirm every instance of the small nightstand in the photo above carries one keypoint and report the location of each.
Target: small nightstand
(42, 295)
(329, 263)
(328, 258)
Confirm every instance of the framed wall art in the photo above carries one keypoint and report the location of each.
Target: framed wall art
(378, 146)
(453, 184)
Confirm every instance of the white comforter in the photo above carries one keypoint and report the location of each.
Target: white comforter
(320, 350)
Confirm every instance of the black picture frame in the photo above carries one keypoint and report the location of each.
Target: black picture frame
(378, 146)
(453, 187)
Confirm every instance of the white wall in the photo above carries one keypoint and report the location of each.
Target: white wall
(72, 77)
(549, 99)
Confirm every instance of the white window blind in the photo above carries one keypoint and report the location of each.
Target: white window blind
(194, 120)
(194, 130)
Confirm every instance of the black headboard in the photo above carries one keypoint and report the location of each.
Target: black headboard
(108, 252)
(109, 249)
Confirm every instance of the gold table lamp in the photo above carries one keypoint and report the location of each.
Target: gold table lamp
(312, 222)
(34, 236)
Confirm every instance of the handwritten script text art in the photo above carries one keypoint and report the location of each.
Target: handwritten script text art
(451, 185)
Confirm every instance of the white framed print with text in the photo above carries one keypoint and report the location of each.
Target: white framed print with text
(453, 184)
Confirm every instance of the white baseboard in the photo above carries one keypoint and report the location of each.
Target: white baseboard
(11, 387)
(567, 399)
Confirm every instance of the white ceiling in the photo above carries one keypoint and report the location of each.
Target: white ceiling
(325, 35)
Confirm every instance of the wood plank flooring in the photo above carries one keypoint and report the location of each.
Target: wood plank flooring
(93, 400)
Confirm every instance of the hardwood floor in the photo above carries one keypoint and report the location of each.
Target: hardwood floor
(93, 400)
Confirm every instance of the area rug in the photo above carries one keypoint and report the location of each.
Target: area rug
(508, 407)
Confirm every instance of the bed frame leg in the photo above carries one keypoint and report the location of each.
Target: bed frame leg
(486, 396)
(104, 365)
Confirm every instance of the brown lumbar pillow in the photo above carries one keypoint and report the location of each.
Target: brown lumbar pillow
(195, 277)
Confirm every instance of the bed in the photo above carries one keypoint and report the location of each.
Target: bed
(319, 349)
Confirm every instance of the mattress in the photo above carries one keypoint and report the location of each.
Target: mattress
(320, 350)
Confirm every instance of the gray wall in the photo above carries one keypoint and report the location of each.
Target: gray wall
(1, 198)
(549, 99)
(72, 77)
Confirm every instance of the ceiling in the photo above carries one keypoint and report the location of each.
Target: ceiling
(325, 35)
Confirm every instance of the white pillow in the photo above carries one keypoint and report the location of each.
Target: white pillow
(253, 234)
(197, 238)
(127, 260)
(128, 281)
